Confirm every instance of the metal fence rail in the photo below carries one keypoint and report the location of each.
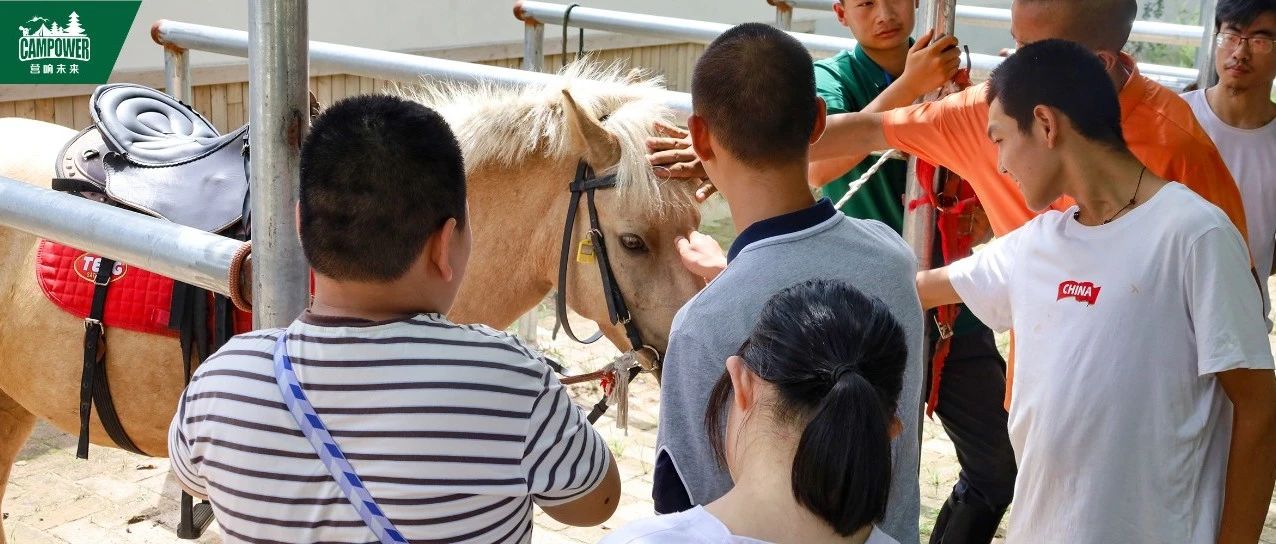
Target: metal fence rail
(1143, 31)
(367, 62)
(536, 14)
(182, 253)
(540, 13)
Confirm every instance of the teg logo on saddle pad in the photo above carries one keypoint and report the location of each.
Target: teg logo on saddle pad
(86, 267)
(63, 42)
(1083, 291)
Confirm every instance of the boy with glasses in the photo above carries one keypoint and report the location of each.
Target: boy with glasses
(1239, 115)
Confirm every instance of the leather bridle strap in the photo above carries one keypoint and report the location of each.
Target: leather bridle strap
(585, 185)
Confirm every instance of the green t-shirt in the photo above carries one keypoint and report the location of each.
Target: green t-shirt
(847, 82)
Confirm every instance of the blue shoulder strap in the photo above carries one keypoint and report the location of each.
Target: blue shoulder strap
(331, 455)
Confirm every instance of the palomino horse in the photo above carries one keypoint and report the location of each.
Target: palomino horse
(521, 147)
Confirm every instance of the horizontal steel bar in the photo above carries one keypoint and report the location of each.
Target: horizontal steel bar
(1143, 31)
(369, 62)
(680, 29)
(700, 31)
(185, 254)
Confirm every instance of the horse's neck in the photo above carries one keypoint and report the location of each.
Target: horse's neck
(517, 224)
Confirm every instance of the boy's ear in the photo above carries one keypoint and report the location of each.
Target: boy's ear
(701, 139)
(438, 249)
(821, 120)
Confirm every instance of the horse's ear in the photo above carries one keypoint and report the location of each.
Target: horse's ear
(635, 76)
(601, 147)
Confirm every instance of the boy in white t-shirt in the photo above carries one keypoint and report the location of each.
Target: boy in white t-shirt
(1239, 115)
(1145, 403)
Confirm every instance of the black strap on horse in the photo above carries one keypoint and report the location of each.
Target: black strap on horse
(189, 316)
(585, 184)
(95, 389)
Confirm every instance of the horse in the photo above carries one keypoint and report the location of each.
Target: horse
(522, 148)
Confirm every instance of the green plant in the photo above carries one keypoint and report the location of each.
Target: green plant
(1160, 53)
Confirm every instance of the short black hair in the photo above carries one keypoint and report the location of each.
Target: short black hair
(755, 88)
(379, 175)
(1065, 76)
(1241, 12)
(836, 358)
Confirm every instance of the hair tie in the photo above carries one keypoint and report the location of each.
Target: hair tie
(839, 372)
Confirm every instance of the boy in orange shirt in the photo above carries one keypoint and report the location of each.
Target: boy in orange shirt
(1160, 128)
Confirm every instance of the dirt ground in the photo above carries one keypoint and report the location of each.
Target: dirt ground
(120, 497)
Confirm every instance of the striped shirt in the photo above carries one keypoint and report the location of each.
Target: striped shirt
(455, 430)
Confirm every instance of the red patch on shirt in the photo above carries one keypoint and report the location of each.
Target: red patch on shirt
(1083, 291)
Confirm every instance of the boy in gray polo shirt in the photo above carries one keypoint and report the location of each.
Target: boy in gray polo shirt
(755, 113)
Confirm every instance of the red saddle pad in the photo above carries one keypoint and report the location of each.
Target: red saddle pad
(138, 300)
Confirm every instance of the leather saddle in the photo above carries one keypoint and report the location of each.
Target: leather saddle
(150, 153)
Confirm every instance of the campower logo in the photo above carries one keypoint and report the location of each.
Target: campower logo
(53, 41)
(63, 41)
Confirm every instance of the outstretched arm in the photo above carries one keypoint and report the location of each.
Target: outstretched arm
(935, 289)
(929, 65)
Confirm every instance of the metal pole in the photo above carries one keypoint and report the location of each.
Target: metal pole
(783, 14)
(534, 46)
(919, 222)
(1206, 75)
(527, 327)
(280, 111)
(183, 253)
(177, 73)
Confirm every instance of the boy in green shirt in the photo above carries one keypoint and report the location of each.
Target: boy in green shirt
(886, 71)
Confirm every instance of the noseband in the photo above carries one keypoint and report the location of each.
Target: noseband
(595, 247)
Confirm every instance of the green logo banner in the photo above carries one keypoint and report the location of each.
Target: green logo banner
(57, 41)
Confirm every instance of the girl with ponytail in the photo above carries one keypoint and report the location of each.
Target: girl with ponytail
(803, 419)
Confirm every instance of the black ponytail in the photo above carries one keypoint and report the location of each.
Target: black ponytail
(836, 357)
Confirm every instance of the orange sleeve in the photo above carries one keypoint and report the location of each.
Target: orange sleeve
(1163, 133)
(1198, 165)
(953, 132)
(948, 131)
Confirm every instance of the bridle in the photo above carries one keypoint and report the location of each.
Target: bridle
(594, 248)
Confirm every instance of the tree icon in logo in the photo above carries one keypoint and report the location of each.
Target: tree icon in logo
(44, 27)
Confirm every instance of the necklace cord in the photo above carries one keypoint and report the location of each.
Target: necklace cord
(1077, 214)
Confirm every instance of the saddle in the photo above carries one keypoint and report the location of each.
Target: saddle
(149, 153)
(152, 154)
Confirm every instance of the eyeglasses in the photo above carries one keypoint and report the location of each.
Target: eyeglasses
(1229, 42)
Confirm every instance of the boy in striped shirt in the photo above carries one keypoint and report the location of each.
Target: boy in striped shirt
(455, 430)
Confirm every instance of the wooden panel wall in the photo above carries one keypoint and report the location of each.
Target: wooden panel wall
(226, 105)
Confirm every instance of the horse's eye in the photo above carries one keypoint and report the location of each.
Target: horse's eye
(633, 242)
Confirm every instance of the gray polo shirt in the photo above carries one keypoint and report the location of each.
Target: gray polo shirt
(768, 257)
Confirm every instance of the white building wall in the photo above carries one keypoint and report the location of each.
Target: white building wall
(400, 25)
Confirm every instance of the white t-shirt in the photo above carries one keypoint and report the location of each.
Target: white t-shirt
(1250, 154)
(696, 526)
(1120, 430)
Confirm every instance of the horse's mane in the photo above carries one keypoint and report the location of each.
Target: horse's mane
(502, 125)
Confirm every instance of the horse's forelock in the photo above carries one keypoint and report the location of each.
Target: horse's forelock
(505, 126)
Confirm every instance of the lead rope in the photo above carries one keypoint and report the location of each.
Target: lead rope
(868, 174)
(889, 154)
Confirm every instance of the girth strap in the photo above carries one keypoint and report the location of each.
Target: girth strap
(95, 389)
